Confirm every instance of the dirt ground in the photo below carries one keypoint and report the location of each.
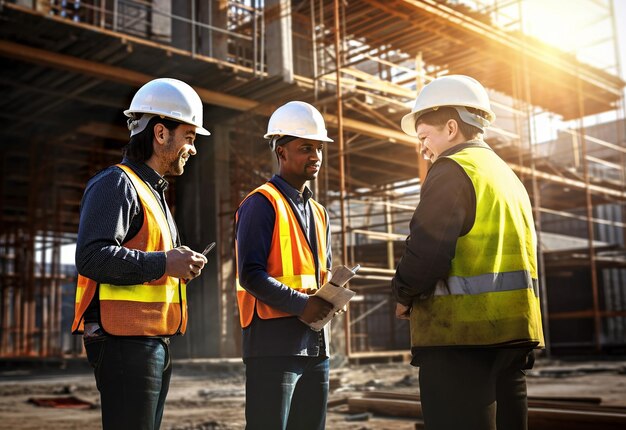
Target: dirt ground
(211, 395)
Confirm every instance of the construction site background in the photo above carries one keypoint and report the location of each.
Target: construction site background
(69, 68)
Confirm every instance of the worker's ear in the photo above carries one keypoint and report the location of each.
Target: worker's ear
(280, 152)
(160, 133)
(452, 127)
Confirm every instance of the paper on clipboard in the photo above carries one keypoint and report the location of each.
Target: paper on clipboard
(334, 292)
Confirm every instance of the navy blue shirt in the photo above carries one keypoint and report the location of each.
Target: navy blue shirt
(110, 215)
(286, 336)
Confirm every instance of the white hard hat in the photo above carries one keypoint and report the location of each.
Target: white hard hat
(457, 91)
(297, 119)
(167, 98)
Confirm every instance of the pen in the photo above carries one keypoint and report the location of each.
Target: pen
(208, 248)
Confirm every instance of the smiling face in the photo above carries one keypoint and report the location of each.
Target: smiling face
(177, 149)
(440, 130)
(433, 140)
(300, 161)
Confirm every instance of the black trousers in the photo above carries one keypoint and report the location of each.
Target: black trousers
(474, 389)
(133, 377)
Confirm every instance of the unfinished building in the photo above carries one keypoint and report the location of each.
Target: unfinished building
(69, 68)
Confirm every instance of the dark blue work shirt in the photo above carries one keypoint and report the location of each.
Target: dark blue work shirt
(110, 215)
(286, 336)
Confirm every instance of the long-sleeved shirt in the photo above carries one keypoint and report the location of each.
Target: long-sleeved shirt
(446, 211)
(280, 336)
(111, 214)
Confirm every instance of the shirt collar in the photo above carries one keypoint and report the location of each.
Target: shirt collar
(476, 143)
(289, 191)
(148, 175)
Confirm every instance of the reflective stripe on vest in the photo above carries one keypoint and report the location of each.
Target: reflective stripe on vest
(290, 260)
(491, 294)
(488, 282)
(156, 308)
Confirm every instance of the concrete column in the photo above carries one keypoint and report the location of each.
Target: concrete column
(278, 39)
(182, 31)
(202, 214)
(226, 198)
(161, 20)
(210, 42)
(201, 40)
(196, 210)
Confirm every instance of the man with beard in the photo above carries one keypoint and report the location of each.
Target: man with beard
(283, 255)
(130, 296)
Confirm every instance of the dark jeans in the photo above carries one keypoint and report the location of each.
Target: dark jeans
(133, 377)
(474, 389)
(286, 393)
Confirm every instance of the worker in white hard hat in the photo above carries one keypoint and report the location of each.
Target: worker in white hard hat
(467, 280)
(133, 271)
(283, 253)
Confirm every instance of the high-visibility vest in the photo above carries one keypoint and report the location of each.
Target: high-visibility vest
(491, 295)
(155, 308)
(290, 260)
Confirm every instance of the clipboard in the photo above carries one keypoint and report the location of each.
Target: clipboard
(335, 292)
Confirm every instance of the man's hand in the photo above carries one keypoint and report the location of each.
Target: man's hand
(315, 309)
(342, 310)
(403, 312)
(184, 263)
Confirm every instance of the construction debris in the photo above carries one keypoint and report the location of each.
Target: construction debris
(201, 399)
(365, 416)
(70, 402)
(544, 413)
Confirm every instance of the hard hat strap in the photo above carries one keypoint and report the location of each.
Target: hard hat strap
(472, 118)
(273, 142)
(136, 126)
(466, 116)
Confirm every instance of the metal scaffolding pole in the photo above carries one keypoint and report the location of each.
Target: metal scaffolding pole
(597, 321)
(342, 160)
(621, 111)
(530, 121)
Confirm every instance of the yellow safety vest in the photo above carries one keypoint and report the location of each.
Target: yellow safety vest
(290, 260)
(491, 294)
(156, 308)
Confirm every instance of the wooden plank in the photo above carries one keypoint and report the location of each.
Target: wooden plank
(337, 402)
(111, 73)
(549, 419)
(549, 416)
(534, 400)
(387, 407)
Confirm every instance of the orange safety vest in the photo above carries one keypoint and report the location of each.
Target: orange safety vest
(156, 308)
(290, 260)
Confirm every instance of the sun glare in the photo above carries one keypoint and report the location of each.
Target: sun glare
(566, 24)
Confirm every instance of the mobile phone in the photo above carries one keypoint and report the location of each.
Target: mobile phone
(208, 248)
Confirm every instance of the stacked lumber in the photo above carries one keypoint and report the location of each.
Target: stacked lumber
(544, 413)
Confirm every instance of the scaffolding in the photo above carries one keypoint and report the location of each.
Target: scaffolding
(388, 59)
(361, 63)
